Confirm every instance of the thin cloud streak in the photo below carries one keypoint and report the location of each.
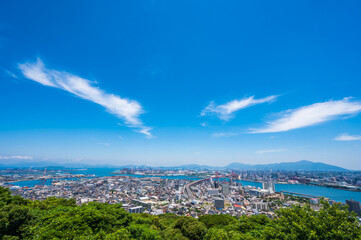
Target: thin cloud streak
(16, 157)
(145, 131)
(225, 111)
(225, 134)
(347, 137)
(128, 110)
(11, 74)
(271, 151)
(311, 115)
(104, 144)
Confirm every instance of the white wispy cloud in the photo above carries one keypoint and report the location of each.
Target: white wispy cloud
(225, 111)
(11, 74)
(15, 157)
(104, 144)
(271, 151)
(225, 134)
(347, 137)
(311, 115)
(125, 109)
(146, 131)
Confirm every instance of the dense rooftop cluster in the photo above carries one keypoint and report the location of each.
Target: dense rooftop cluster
(154, 195)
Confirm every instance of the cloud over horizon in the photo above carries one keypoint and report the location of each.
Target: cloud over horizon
(311, 115)
(225, 111)
(225, 134)
(271, 151)
(347, 137)
(15, 157)
(125, 109)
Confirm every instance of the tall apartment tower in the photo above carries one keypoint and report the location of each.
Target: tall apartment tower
(269, 186)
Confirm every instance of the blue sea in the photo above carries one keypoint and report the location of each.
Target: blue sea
(334, 194)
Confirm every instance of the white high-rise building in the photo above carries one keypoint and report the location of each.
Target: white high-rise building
(269, 186)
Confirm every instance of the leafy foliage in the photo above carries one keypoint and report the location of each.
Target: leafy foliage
(217, 220)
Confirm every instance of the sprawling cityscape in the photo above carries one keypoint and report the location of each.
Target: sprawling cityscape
(183, 192)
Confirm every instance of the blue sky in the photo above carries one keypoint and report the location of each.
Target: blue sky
(170, 83)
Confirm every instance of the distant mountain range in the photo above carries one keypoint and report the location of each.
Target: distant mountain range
(300, 165)
(303, 165)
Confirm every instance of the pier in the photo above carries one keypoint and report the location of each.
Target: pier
(300, 194)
